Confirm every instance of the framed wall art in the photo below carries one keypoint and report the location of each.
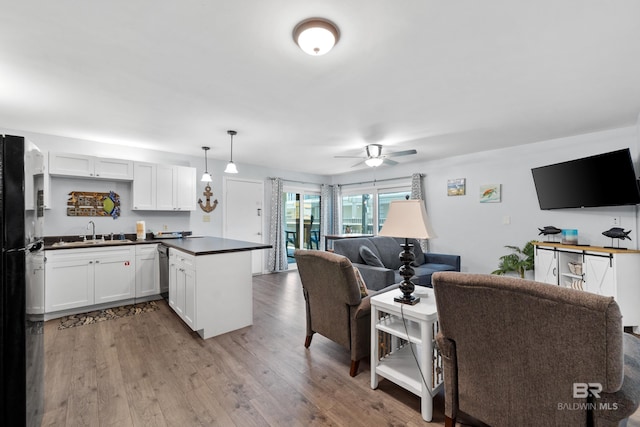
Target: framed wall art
(456, 187)
(490, 193)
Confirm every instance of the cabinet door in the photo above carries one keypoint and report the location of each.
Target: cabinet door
(546, 266)
(599, 275)
(180, 291)
(189, 314)
(113, 169)
(115, 277)
(185, 188)
(144, 186)
(173, 281)
(70, 164)
(166, 189)
(147, 271)
(69, 284)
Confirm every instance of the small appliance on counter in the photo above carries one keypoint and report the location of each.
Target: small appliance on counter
(171, 234)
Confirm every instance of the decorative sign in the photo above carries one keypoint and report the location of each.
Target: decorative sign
(208, 207)
(87, 203)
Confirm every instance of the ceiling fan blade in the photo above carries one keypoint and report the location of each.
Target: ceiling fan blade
(389, 162)
(359, 163)
(401, 153)
(347, 157)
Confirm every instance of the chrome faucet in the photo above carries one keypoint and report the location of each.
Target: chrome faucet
(93, 229)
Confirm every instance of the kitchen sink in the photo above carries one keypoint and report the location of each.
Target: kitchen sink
(91, 242)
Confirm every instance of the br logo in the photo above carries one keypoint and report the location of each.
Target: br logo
(582, 390)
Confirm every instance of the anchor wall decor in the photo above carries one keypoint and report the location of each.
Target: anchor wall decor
(208, 207)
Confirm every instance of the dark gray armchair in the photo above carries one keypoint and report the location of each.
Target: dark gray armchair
(334, 307)
(522, 353)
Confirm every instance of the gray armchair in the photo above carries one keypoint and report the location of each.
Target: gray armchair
(334, 307)
(518, 352)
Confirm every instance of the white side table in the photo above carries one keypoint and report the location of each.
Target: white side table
(391, 347)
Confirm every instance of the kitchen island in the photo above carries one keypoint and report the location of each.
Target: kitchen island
(210, 284)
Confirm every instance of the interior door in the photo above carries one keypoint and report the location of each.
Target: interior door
(243, 215)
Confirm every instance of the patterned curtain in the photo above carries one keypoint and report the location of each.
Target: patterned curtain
(326, 198)
(278, 253)
(417, 193)
(336, 210)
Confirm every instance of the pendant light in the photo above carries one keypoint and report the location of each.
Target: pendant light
(231, 167)
(206, 176)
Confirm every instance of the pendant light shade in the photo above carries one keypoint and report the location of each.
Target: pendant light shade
(316, 36)
(231, 167)
(206, 176)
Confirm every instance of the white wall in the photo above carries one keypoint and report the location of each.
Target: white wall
(58, 223)
(463, 225)
(476, 230)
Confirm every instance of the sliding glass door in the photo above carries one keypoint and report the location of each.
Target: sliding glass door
(302, 221)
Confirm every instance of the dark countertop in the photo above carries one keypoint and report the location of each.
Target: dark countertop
(211, 245)
(191, 245)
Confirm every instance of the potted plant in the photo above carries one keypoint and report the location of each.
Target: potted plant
(519, 261)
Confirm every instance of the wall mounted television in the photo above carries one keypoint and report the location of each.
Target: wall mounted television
(606, 179)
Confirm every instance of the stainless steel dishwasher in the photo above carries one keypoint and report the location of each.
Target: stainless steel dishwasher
(163, 257)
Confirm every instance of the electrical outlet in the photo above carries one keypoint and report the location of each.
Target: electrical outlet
(616, 221)
(165, 227)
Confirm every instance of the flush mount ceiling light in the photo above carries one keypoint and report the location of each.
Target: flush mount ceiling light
(206, 176)
(231, 167)
(316, 36)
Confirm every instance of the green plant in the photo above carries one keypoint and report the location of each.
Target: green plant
(520, 260)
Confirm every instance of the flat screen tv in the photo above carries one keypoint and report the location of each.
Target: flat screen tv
(602, 180)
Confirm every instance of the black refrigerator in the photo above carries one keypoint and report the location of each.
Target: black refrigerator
(22, 283)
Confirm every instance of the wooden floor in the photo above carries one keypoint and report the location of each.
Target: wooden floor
(150, 369)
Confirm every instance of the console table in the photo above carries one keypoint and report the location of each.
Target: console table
(392, 342)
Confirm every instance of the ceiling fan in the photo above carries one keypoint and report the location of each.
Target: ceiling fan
(375, 157)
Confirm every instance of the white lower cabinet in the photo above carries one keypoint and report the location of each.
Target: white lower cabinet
(83, 277)
(147, 270)
(603, 271)
(182, 286)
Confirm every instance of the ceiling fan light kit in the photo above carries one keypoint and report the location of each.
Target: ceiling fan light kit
(316, 36)
(375, 157)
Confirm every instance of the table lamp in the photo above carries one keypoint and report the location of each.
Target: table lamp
(407, 219)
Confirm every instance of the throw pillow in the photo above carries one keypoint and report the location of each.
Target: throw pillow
(363, 287)
(369, 257)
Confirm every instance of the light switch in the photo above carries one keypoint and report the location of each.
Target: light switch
(506, 220)
(206, 218)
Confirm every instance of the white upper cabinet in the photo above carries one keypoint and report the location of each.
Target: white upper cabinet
(144, 186)
(164, 187)
(66, 164)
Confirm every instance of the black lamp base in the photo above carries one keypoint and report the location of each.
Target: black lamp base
(411, 300)
(407, 272)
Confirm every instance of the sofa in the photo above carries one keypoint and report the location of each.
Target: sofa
(384, 271)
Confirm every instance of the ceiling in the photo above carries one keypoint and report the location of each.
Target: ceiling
(443, 77)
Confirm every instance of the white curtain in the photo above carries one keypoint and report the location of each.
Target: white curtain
(417, 193)
(278, 253)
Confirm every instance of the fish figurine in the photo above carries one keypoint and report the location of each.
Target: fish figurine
(617, 233)
(549, 229)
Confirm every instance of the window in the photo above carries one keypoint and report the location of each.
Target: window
(364, 212)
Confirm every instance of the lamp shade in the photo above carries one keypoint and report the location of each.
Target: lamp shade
(231, 168)
(407, 219)
(374, 162)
